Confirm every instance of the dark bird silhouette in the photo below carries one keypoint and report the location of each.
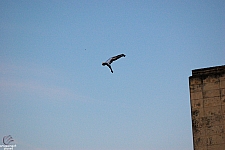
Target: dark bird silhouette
(112, 59)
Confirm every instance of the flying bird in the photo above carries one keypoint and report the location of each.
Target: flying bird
(110, 60)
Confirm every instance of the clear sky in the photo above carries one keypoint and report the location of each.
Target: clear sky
(55, 94)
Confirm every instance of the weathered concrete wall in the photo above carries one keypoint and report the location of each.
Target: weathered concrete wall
(207, 94)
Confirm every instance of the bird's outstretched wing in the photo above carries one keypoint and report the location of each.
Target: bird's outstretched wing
(115, 58)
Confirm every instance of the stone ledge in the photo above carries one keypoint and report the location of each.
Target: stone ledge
(210, 70)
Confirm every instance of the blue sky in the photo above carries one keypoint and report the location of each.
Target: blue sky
(55, 94)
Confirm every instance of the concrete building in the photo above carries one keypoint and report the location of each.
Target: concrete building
(207, 95)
